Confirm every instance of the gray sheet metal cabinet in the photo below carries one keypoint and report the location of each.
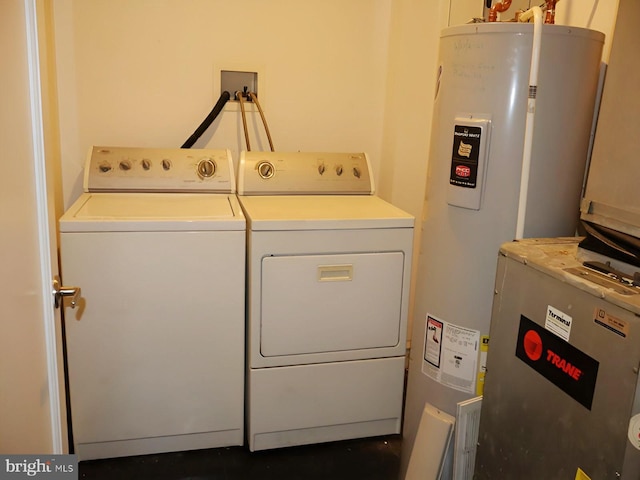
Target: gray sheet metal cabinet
(561, 394)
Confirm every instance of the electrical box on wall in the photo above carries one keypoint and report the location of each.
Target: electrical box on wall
(243, 77)
(233, 81)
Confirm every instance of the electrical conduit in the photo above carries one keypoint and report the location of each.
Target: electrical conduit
(536, 12)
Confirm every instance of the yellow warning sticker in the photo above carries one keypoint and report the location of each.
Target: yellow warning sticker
(580, 475)
(484, 350)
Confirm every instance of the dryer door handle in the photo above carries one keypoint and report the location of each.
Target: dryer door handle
(335, 273)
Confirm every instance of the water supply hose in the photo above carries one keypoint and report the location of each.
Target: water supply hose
(240, 98)
(254, 97)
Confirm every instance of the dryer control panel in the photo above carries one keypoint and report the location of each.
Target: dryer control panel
(304, 173)
(116, 169)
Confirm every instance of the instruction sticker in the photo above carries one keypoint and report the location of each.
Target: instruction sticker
(615, 324)
(450, 354)
(558, 322)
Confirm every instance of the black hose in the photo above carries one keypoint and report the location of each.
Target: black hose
(224, 98)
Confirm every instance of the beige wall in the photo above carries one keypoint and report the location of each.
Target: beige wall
(142, 73)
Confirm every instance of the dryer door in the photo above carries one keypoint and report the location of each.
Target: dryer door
(322, 304)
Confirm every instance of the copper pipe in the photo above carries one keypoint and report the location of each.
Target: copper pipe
(550, 17)
(498, 7)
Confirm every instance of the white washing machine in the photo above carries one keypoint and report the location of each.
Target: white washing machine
(328, 288)
(156, 348)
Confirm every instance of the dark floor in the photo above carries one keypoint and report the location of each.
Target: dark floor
(364, 459)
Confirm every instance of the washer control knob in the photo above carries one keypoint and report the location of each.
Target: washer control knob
(125, 165)
(321, 168)
(356, 172)
(265, 169)
(105, 167)
(166, 164)
(206, 168)
(146, 164)
(339, 170)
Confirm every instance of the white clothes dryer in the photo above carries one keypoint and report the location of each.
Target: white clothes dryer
(156, 348)
(329, 268)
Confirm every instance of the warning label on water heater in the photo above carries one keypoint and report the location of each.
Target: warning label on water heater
(450, 354)
(465, 156)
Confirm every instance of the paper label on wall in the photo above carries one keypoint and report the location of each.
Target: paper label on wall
(450, 354)
(558, 322)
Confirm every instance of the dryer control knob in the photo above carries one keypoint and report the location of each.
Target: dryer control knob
(125, 165)
(146, 164)
(206, 168)
(166, 164)
(356, 172)
(321, 168)
(265, 170)
(339, 170)
(105, 167)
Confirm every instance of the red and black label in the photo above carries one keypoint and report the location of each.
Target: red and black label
(568, 368)
(465, 156)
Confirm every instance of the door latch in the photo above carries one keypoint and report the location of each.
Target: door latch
(59, 292)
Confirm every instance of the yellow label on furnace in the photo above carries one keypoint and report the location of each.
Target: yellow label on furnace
(580, 475)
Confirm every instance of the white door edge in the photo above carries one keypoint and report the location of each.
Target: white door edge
(44, 239)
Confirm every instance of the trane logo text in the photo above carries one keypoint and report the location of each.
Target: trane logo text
(562, 364)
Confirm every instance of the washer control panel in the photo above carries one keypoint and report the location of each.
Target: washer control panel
(305, 173)
(114, 169)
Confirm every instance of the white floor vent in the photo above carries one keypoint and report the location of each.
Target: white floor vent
(431, 448)
(466, 438)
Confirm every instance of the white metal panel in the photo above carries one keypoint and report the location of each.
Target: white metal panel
(156, 348)
(328, 242)
(99, 212)
(298, 405)
(327, 303)
(322, 212)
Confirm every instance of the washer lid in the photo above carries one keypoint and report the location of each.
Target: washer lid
(109, 212)
(322, 212)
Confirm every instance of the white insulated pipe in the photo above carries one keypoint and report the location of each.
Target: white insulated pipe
(536, 13)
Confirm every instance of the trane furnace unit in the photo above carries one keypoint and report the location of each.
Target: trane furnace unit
(562, 399)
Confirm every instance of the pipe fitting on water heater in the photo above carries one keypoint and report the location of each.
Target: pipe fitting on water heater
(498, 8)
(549, 6)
